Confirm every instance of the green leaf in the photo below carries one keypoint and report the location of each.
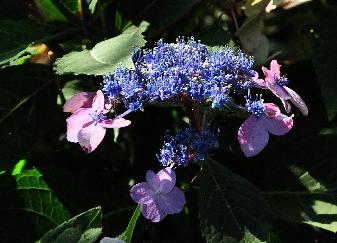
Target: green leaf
(73, 6)
(250, 238)
(49, 11)
(60, 10)
(39, 198)
(19, 166)
(253, 41)
(229, 206)
(307, 180)
(92, 6)
(83, 228)
(17, 35)
(316, 209)
(127, 234)
(105, 56)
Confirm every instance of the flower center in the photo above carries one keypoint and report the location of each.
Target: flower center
(157, 193)
(256, 107)
(282, 80)
(97, 117)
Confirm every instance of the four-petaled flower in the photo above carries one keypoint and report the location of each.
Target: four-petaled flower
(87, 126)
(277, 84)
(253, 134)
(158, 196)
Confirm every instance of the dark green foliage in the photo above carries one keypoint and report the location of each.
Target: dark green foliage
(285, 194)
(229, 206)
(83, 228)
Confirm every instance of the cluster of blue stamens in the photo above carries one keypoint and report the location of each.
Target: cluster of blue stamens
(282, 80)
(256, 107)
(188, 145)
(170, 70)
(97, 117)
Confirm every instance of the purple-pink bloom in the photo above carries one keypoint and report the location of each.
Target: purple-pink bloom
(83, 100)
(253, 134)
(158, 196)
(79, 100)
(87, 126)
(277, 84)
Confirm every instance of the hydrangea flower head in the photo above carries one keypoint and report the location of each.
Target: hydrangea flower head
(188, 145)
(158, 196)
(185, 68)
(253, 134)
(87, 126)
(275, 82)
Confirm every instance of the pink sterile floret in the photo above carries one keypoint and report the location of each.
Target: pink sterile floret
(158, 196)
(253, 134)
(79, 100)
(273, 81)
(87, 126)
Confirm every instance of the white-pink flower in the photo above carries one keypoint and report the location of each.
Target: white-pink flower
(158, 196)
(253, 134)
(87, 126)
(277, 84)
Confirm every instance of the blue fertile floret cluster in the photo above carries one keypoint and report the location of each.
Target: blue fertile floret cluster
(170, 70)
(188, 145)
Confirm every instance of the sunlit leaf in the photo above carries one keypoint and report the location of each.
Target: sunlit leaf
(105, 56)
(307, 180)
(92, 6)
(127, 234)
(39, 198)
(316, 209)
(19, 166)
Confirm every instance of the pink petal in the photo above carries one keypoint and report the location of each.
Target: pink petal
(72, 132)
(172, 202)
(98, 103)
(167, 178)
(279, 125)
(80, 100)
(75, 123)
(269, 79)
(286, 105)
(279, 91)
(297, 101)
(152, 211)
(115, 123)
(253, 137)
(90, 136)
(81, 116)
(142, 193)
(275, 67)
(272, 110)
(259, 83)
